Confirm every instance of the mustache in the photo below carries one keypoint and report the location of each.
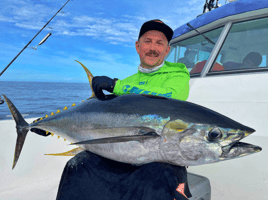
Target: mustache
(149, 53)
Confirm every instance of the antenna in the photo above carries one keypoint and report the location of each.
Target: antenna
(210, 5)
(205, 6)
(217, 4)
(31, 40)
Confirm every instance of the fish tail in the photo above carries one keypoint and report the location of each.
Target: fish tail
(22, 129)
(89, 76)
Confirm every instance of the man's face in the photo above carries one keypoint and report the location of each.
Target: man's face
(152, 48)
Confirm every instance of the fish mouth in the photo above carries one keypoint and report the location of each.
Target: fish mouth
(239, 149)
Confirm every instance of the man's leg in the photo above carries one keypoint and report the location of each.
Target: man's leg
(89, 176)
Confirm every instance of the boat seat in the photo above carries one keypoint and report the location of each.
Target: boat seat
(199, 187)
(252, 60)
(232, 65)
(200, 65)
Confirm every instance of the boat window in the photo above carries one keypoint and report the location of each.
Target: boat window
(171, 55)
(263, 63)
(194, 52)
(245, 47)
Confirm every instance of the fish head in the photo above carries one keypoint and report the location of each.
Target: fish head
(197, 144)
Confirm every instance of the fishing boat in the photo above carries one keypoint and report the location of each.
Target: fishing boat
(228, 50)
(217, 43)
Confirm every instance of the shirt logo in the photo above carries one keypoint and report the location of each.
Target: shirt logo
(142, 83)
(136, 90)
(125, 87)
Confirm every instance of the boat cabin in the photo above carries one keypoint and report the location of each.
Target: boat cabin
(238, 33)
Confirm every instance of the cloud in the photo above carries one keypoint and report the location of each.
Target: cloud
(64, 14)
(111, 30)
(33, 15)
(29, 25)
(109, 27)
(190, 8)
(6, 19)
(29, 12)
(141, 18)
(102, 56)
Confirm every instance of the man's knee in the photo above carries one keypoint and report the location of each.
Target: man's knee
(78, 159)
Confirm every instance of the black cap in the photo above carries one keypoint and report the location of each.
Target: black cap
(157, 25)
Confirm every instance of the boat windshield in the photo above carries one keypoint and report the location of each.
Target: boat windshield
(246, 46)
(194, 52)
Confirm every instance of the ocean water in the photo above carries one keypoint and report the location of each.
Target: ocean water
(36, 99)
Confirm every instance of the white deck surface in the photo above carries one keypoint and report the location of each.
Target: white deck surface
(37, 176)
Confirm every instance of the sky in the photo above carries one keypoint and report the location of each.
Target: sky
(99, 33)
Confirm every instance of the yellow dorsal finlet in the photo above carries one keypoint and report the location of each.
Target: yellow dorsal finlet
(58, 111)
(37, 120)
(65, 108)
(73, 104)
(46, 116)
(52, 113)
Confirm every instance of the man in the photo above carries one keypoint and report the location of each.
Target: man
(188, 59)
(252, 60)
(155, 76)
(89, 176)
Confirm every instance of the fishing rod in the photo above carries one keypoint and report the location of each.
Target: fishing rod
(32, 40)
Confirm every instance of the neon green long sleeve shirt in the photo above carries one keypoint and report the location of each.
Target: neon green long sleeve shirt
(171, 80)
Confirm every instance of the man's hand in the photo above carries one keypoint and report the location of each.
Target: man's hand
(100, 83)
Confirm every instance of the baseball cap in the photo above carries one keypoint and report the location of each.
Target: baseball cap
(157, 25)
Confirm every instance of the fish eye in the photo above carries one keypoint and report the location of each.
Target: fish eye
(214, 134)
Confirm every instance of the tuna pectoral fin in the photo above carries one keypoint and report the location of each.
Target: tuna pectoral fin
(72, 152)
(120, 139)
(22, 129)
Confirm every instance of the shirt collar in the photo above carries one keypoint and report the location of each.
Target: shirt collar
(150, 70)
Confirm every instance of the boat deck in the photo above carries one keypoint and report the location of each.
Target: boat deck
(37, 176)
